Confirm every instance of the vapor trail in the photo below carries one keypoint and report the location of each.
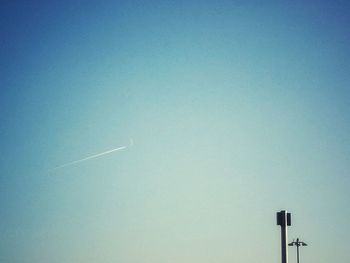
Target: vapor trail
(90, 157)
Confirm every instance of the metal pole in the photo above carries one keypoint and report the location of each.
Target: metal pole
(284, 238)
(297, 243)
(284, 220)
(297, 252)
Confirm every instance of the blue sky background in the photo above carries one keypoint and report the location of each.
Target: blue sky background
(237, 109)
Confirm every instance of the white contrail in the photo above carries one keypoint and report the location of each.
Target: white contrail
(90, 157)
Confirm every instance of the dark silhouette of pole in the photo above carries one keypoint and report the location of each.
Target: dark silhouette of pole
(284, 220)
(297, 243)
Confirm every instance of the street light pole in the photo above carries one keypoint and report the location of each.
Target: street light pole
(297, 243)
(298, 254)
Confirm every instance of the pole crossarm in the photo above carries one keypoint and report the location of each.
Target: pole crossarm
(297, 243)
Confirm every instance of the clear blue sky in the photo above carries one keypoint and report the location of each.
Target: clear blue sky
(237, 109)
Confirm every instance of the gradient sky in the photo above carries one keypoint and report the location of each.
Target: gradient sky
(237, 109)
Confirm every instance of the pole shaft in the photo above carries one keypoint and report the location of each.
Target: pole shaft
(284, 238)
(297, 253)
